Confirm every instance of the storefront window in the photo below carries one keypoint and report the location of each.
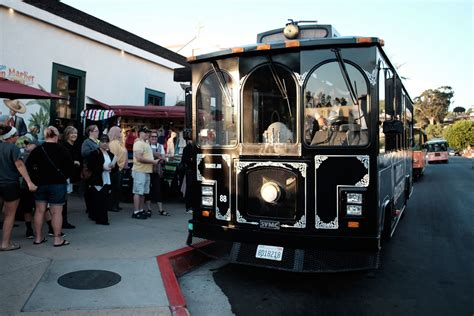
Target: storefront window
(67, 85)
(216, 111)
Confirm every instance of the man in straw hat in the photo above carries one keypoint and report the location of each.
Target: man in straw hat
(13, 120)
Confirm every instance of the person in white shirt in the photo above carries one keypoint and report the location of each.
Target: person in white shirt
(101, 162)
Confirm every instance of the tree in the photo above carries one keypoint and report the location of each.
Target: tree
(434, 131)
(460, 134)
(432, 105)
(459, 109)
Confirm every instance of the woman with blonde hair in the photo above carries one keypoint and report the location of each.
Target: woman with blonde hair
(52, 165)
(74, 149)
(117, 147)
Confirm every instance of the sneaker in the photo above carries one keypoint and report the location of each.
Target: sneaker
(51, 234)
(148, 213)
(140, 215)
(189, 211)
(30, 234)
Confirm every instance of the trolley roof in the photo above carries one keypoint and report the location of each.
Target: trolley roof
(288, 44)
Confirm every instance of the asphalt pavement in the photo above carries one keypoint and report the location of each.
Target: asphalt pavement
(106, 270)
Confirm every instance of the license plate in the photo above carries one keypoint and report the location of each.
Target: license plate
(269, 252)
(437, 154)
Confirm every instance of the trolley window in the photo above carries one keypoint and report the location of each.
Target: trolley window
(216, 121)
(336, 106)
(269, 104)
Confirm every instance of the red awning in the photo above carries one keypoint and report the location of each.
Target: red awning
(14, 90)
(147, 111)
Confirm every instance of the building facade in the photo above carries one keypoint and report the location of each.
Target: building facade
(52, 45)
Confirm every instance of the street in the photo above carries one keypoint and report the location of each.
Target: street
(426, 269)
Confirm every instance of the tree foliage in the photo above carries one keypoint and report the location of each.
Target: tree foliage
(432, 105)
(434, 131)
(460, 134)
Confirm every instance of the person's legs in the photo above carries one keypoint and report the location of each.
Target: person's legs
(142, 202)
(188, 195)
(38, 220)
(8, 221)
(28, 216)
(57, 221)
(66, 223)
(139, 191)
(116, 182)
(102, 199)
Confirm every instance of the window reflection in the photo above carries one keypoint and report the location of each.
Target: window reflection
(216, 120)
(331, 116)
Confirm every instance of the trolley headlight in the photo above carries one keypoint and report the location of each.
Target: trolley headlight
(354, 198)
(352, 209)
(352, 201)
(270, 192)
(207, 201)
(207, 196)
(207, 190)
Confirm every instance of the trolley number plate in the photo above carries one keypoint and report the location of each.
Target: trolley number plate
(269, 252)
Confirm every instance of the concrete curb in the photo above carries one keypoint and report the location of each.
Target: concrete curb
(174, 264)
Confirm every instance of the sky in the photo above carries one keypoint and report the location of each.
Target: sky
(431, 41)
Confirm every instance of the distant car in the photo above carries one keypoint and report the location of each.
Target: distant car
(451, 152)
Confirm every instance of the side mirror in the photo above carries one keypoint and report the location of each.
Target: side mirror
(392, 127)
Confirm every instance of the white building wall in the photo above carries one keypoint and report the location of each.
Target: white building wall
(113, 75)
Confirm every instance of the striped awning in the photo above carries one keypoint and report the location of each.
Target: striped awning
(97, 115)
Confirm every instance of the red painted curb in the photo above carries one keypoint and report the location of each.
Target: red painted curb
(174, 264)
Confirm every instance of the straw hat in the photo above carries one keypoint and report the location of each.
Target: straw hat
(15, 105)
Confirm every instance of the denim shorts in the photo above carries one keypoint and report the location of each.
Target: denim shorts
(54, 194)
(141, 183)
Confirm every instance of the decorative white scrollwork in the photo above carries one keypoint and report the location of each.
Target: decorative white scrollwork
(299, 224)
(227, 159)
(331, 225)
(241, 219)
(364, 160)
(318, 160)
(242, 164)
(372, 76)
(364, 182)
(225, 217)
(301, 78)
(300, 166)
(199, 176)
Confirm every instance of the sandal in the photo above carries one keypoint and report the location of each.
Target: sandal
(164, 213)
(40, 242)
(11, 247)
(64, 243)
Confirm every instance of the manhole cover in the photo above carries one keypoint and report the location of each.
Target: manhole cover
(89, 279)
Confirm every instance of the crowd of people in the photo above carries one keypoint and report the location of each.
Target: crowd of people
(36, 179)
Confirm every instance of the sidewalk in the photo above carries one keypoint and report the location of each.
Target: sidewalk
(128, 248)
